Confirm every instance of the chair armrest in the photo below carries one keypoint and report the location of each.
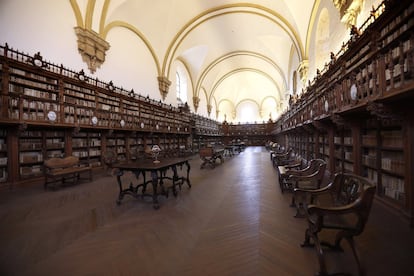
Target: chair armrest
(294, 172)
(314, 192)
(292, 166)
(334, 210)
(303, 177)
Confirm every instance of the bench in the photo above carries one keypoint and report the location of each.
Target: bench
(62, 169)
(210, 155)
(344, 209)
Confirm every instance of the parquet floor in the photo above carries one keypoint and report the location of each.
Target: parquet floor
(233, 221)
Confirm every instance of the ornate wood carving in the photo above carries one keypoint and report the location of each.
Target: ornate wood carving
(309, 128)
(383, 112)
(76, 130)
(338, 120)
(320, 126)
(22, 127)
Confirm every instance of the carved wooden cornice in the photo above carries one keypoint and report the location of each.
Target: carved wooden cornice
(76, 130)
(383, 112)
(309, 128)
(338, 120)
(22, 127)
(320, 126)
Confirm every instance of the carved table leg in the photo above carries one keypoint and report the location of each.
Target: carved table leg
(154, 176)
(188, 173)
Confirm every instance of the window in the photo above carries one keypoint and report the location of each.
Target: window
(181, 87)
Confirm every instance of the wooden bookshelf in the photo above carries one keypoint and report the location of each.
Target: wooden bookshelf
(3, 158)
(361, 109)
(49, 111)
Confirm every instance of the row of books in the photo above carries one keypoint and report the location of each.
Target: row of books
(393, 187)
(27, 74)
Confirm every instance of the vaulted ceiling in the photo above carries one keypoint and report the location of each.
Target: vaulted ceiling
(233, 52)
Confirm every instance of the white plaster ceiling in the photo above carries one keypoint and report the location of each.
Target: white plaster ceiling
(234, 51)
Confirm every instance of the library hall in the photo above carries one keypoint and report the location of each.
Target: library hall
(196, 137)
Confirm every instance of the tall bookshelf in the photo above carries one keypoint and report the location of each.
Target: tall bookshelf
(370, 150)
(392, 169)
(48, 111)
(31, 154)
(3, 157)
(54, 141)
(362, 108)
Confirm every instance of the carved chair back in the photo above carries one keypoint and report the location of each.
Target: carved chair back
(349, 214)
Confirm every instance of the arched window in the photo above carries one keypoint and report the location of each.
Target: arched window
(178, 86)
(247, 111)
(294, 82)
(181, 86)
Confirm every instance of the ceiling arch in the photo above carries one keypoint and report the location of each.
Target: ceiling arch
(215, 41)
(258, 10)
(237, 71)
(228, 56)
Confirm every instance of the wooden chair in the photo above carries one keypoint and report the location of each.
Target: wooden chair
(310, 180)
(345, 210)
(292, 166)
(309, 177)
(109, 158)
(282, 158)
(207, 156)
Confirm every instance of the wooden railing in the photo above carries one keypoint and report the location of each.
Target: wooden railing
(378, 64)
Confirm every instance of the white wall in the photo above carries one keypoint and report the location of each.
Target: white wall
(47, 26)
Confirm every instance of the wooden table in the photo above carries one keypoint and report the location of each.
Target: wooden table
(158, 173)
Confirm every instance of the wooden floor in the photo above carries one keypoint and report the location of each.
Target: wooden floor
(233, 221)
